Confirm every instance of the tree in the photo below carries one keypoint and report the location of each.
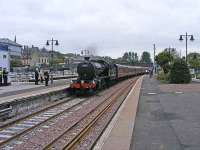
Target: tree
(125, 56)
(108, 59)
(194, 61)
(15, 63)
(163, 59)
(180, 72)
(146, 57)
(129, 58)
(172, 51)
(58, 61)
(132, 57)
(136, 57)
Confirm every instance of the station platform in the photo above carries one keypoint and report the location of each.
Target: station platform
(27, 89)
(118, 134)
(167, 118)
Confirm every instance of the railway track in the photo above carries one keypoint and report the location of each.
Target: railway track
(72, 137)
(13, 130)
(80, 116)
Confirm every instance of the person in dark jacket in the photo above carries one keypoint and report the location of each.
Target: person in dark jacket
(46, 78)
(1, 76)
(36, 76)
(5, 77)
(150, 72)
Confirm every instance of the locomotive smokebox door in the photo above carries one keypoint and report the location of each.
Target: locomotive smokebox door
(87, 58)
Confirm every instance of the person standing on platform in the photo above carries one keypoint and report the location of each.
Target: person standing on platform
(46, 78)
(5, 77)
(36, 76)
(41, 76)
(1, 76)
(150, 72)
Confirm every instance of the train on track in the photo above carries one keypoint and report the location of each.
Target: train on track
(96, 74)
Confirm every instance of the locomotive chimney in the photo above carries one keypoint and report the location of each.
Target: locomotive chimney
(87, 58)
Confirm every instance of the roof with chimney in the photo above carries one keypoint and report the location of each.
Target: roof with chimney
(6, 41)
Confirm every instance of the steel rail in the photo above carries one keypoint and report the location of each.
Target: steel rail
(34, 113)
(42, 122)
(112, 98)
(112, 115)
(90, 125)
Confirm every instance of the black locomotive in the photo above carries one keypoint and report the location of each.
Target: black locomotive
(96, 74)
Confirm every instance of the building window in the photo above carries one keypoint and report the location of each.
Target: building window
(4, 56)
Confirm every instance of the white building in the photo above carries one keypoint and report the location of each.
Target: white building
(4, 58)
(14, 48)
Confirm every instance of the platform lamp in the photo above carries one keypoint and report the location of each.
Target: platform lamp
(186, 40)
(52, 41)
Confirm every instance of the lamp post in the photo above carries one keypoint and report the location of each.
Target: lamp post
(186, 40)
(51, 64)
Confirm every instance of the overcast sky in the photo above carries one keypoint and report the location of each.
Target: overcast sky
(109, 26)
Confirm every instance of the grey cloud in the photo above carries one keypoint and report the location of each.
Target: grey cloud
(113, 26)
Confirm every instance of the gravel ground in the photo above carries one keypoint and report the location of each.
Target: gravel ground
(81, 125)
(45, 126)
(92, 136)
(76, 130)
(31, 122)
(31, 111)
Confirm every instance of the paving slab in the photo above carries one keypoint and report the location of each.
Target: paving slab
(13, 93)
(167, 119)
(24, 87)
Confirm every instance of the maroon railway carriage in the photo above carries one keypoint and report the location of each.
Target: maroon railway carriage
(124, 71)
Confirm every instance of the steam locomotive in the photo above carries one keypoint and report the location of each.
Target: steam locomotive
(96, 74)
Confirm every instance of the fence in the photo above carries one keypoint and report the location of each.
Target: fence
(30, 76)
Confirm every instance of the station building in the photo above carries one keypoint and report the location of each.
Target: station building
(15, 49)
(4, 58)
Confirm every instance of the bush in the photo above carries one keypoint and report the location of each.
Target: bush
(180, 72)
(162, 76)
(198, 76)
